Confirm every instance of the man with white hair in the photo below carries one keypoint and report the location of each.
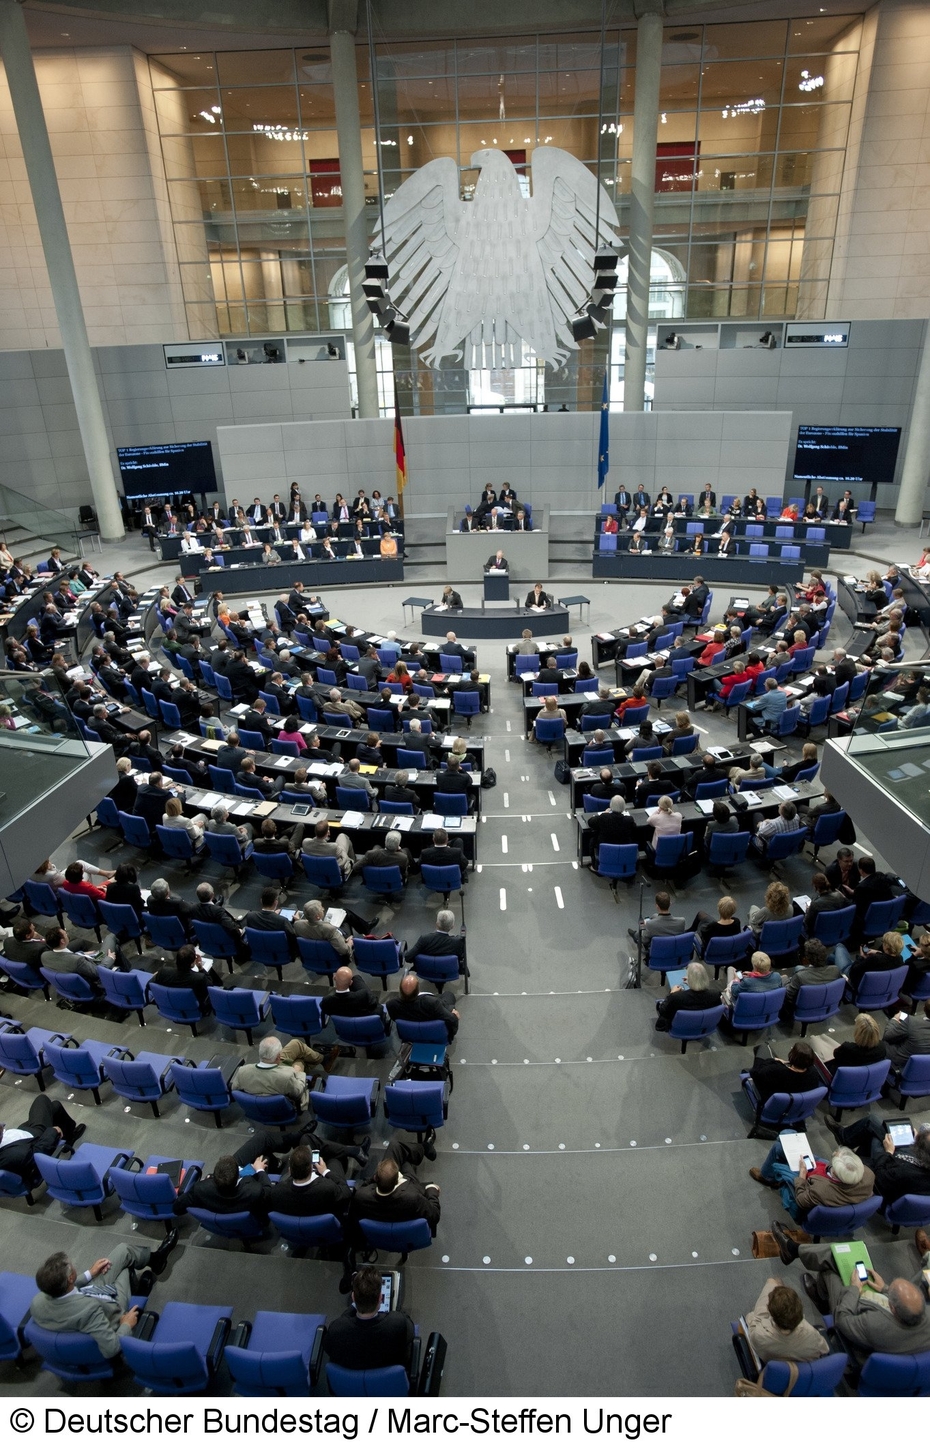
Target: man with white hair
(220, 824)
(279, 1071)
(613, 826)
(390, 853)
(841, 1182)
(441, 942)
(452, 646)
(338, 705)
(311, 924)
(871, 1317)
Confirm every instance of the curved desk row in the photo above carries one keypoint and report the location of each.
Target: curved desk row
(677, 567)
(837, 535)
(494, 623)
(279, 578)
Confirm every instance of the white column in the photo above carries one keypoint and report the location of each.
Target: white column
(53, 231)
(915, 473)
(642, 199)
(351, 171)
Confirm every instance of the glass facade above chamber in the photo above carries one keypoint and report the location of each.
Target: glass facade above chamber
(750, 156)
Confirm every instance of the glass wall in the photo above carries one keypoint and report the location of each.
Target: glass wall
(751, 147)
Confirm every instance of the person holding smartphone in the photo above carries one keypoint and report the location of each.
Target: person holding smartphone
(841, 1182)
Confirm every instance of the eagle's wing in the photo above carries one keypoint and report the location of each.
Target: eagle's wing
(421, 222)
(564, 216)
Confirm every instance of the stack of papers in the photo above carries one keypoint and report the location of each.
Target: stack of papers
(432, 822)
(352, 819)
(785, 792)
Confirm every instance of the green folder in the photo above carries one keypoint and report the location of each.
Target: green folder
(846, 1256)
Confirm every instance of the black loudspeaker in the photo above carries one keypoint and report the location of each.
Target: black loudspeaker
(86, 516)
(434, 1363)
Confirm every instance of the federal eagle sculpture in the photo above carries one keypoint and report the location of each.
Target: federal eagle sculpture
(478, 277)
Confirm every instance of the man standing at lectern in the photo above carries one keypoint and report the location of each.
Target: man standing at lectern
(497, 561)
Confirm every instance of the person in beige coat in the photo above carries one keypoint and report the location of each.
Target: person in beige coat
(778, 1328)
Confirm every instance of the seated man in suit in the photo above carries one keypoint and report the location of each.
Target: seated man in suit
(310, 923)
(497, 561)
(311, 1189)
(394, 1194)
(279, 1071)
(269, 918)
(870, 1318)
(256, 721)
(613, 826)
(397, 792)
(365, 1338)
(441, 942)
(778, 1328)
(349, 996)
(537, 598)
(252, 780)
(230, 1188)
(663, 923)
(442, 853)
(60, 957)
(340, 849)
(390, 853)
(451, 598)
(412, 1002)
(96, 1302)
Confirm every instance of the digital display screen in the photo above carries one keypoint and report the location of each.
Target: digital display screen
(158, 469)
(846, 455)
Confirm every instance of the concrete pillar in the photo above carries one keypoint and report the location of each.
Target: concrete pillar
(349, 135)
(642, 199)
(915, 473)
(46, 197)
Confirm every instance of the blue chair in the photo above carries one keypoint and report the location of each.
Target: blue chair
(319, 958)
(269, 948)
(69, 986)
(107, 814)
(280, 1354)
(24, 977)
(251, 740)
(296, 1015)
(216, 941)
(122, 920)
(42, 900)
(878, 989)
(685, 745)
(450, 804)
(323, 872)
(239, 1009)
(913, 1079)
(788, 843)
(270, 702)
(617, 862)
(274, 865)
(204, 1088)
(883, 916)
(894, 1375)
(857, 1086)
(426, 726)
(380, 719)
(22, 1053)
(723, 951)
(669, 853)
(467, 703)
(550, 732)
(80, 1067)
(416, 1106)
(434, 1032)
(306, 707)
(801, 660)
(167, 932)
(711, 790)
(207, 674)
(596, 755)
(525, 664)
(74, 1357)
(345, 1102)
(865, 512)
(840, 1222)
(450, 663)
(688, 1026)
(835, 926)
(17, 1291)
(349, 799)
(174, 772)
(270, 1111)
(735, 696)
(756, 1010)
(670, 953)
(781, 938)
(787, 722)
(150, 704)
(379, 1383)
(170, 714)
(410, 760)
(591, 722)
(443, 879)
(646, 752)
(403, 1238)
(150, 1195)
(909, 1211)
(727, 850)
(81, 910)
(362, 1031)
(148, 1078)
(126, 990)
(327, 676)
(178, 1004)
(338, 718)
(817, 1379)
(441, 970)
(284, 747)
(383, 880)
(222, 780)
(607, 543)
(782, 1109)
(184, 1351)
(382, 958)
(227, 850)
(82, 1180)
(818, 1003)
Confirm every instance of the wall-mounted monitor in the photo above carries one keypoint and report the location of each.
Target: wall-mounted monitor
(194, 354)
(846, 455)
(159, 469)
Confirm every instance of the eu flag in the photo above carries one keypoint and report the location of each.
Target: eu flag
(603, 448)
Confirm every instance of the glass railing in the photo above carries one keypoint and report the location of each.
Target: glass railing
(897, 702)
(45, 523)
(40, 744)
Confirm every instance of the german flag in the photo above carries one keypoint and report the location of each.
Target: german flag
(400, 456)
